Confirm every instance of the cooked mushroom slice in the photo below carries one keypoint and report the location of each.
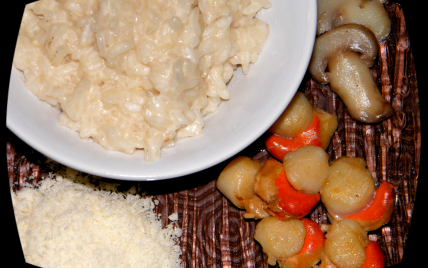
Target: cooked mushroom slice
(368, 13)
(352, 37)
(327, 13)
(352, 80)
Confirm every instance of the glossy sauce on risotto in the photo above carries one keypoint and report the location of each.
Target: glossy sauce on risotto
(137, 74)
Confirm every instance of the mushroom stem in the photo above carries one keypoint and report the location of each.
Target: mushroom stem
(352, 37)
(370, 13)
(352, 80)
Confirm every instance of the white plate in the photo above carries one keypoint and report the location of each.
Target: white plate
(256, 100)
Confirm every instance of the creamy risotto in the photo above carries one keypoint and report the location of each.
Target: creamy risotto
(137, 74)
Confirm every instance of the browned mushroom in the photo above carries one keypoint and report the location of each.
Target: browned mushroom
(327, 14)
(352, 37)
(370, 13)
(352, 80)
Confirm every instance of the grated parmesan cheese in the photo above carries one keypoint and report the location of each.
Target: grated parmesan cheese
(69, 223)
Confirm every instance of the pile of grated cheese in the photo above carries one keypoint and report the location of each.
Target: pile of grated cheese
(70, 223)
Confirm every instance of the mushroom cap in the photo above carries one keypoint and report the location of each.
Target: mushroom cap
(352, 37)
(370, 13)
(327, 14)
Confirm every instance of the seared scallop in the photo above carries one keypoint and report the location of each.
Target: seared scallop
(280, 239)
(349, 186)
(306, 168)
(345, 244)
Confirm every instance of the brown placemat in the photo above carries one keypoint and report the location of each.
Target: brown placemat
(214, 231)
